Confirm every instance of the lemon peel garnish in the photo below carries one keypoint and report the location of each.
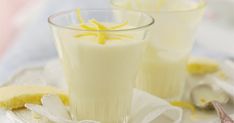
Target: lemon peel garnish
(119, 26)
(103, 27)
(98, 25)
(79, 17)
(99, 30)
(185, 105)
(102, 36)
(86, 27)
(85, 34)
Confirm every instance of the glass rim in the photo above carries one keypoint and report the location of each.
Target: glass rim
(202, 5)
(51, 17)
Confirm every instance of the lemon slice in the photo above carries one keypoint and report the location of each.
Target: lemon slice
(185, 105)
(119, 26)
(15, 97)
(200, 65)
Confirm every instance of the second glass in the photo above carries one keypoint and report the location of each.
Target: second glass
(100, 75)
(163, 70)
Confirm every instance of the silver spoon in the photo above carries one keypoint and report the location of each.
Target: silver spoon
(221, 113)
(214, 100)
(203, 94)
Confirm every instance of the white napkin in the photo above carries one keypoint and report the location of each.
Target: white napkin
(226, 85)
(145, 109)
(156, 109)
(3, 118)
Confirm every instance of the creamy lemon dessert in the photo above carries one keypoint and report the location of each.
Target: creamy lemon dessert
(101, 77)
(100, 68)
(162, 73)
(155, 5)
(163, 70)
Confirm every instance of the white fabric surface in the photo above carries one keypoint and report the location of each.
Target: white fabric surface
(52, 74)
(145, 108)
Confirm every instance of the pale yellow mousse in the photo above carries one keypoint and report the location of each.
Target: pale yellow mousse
(158, 5)
(163, 70)
(100, 67)
(15, 97)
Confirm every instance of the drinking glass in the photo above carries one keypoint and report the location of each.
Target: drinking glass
(100, 77)
(163, 70)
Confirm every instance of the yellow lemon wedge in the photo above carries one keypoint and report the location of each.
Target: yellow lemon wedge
(202, 65)
(15, 96)
(97, 29)
(185, 105)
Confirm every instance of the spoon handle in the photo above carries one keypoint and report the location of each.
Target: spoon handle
(221, 113)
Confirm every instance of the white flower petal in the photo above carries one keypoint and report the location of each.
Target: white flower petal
(55, 106)
(228, 68)
(43, 112)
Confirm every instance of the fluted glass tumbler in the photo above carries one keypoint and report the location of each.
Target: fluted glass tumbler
(163, 70)
(100, 55)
